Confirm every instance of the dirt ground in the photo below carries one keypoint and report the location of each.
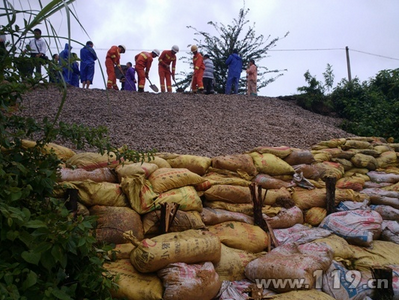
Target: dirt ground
(183, 123)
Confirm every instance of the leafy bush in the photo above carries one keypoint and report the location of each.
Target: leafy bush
(45, 251)
(313, 97)
(370, 108)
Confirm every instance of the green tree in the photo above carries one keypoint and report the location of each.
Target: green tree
(235, 36)
(371, 108)
(315, 96)
(45, 251)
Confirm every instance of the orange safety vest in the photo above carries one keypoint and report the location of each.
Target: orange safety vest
(166, 58)
(143, 61)
(198, 62)
(114, 55)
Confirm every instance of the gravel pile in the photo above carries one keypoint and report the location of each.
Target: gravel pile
(183, 123)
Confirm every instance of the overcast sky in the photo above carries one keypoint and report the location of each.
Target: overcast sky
(319, 31)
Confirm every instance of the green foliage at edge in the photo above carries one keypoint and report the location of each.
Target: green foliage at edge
(45, 252)
(370, 108)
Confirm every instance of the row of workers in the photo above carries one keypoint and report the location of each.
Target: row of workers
(167, 65)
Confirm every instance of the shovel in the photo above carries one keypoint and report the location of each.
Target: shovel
(180, 89)
(152, 87)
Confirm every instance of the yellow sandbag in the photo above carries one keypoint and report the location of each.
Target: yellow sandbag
(229, 193)
(355, 182)
(147, 197)
(340, 247)
(190, 246)
(269, 182)
(299, 156)
(132, 284)
(271, 164)
(302, 295)
(121, 251)
(225, 177)
(330, 169)
(356, 171)
(241, 236)
(91, 161)
(232, 263)
(342, 195)
(112, 222)
(130, 169)
(332, 143)
(62, 152)
(92, 193)
(306, 199)
(184, 220)
(164, 179)
(279, 151)
(321, 156)
(160, 162)
(383, 148)
(334, 152)
(314, 216)
(196, 164)
(347, 165)
(361, 160)
(382, 253)
(387, 159)
(356, 144)
(241, 163)
(394, 187)
(186, 197)
(274, 194)
(212, 216)
(131, 187)
(241, 208)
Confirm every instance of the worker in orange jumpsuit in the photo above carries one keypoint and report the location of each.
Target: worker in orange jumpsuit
(166, 58)
(143, 63)
(198, 65)
(112, 61)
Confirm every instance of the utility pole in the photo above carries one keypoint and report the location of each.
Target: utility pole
(348, 64)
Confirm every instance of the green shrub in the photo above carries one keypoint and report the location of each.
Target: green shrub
(45, 251)
(370, 108)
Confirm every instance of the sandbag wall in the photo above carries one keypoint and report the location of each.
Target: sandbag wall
(214, 250)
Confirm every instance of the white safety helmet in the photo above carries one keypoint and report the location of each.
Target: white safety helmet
(156, 52)
(123, 46)
(175, 48)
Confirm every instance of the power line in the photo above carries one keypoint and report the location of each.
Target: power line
(386, 57)
(318, 49)
(330, 49)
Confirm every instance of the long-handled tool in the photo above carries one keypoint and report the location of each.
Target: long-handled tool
(152, 87)
(179, 89)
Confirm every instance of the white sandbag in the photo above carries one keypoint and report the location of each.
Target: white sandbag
(387, 212)
(299, 234)
(350, 205)
(390, 231)
(358, 227)
(344, 284)
(383, 177)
